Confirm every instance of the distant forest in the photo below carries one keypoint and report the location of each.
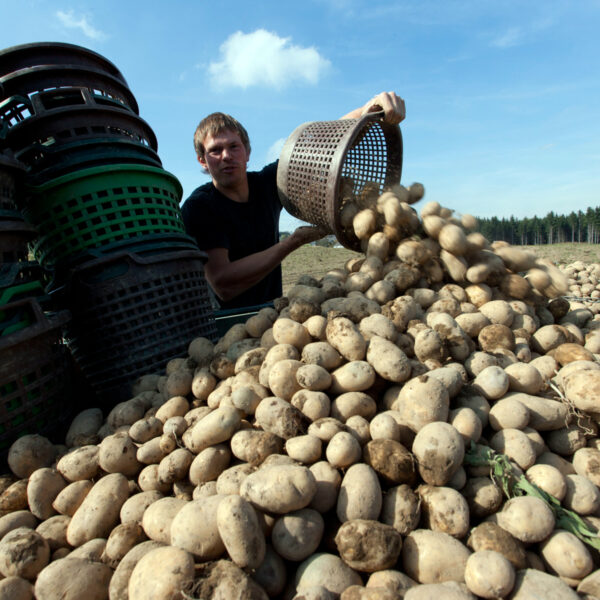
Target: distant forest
(552, 229)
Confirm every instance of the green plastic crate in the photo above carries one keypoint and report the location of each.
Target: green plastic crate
(92, 208)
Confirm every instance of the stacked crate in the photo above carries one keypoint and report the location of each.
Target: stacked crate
(35, 367)
(107, 214)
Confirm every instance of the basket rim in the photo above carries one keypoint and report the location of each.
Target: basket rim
(108, 172)
(77, 49)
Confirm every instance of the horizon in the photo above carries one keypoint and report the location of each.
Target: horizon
(502, 99)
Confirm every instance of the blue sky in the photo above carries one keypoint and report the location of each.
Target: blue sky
(502, 97)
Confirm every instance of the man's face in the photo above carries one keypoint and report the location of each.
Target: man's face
(225, 158)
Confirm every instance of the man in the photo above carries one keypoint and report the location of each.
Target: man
(235, 218)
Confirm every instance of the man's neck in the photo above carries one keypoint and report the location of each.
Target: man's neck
(238, 193)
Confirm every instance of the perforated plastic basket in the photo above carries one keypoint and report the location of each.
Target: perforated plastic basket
(132, 314)
(35, 79)
(321, 158)
(16, 109)
(34, 377)
(11, 174)
(22, 56)
(14, 237)
(95, 207)
(38, 139)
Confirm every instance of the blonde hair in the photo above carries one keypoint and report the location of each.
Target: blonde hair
(214, 124)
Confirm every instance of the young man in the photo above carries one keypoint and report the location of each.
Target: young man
(235, 218)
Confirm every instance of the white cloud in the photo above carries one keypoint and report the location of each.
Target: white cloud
(72, 21)
(511, 37)
(275, 150)
(264, 58)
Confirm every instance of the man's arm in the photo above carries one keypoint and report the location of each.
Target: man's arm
(228, 278)
(391, 104)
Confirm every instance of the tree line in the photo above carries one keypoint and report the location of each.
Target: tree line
(552, 229)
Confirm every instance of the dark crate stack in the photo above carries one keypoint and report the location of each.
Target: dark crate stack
(109, 231)
(35, 366)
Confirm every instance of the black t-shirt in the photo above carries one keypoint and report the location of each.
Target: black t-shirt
(244, 228)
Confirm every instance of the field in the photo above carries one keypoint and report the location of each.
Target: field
(317, 260)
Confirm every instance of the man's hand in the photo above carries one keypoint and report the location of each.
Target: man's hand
(391, 104)
(308, 233)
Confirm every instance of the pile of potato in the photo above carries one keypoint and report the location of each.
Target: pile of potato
(317, 451)
(583, 279)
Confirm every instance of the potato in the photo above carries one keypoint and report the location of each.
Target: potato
(527, 518)
(305, 449)
(117, 454)
(346, 338)
(288, 331)
(297, 535)
(490, 536)
(360, 494)
(532, 583)
(280, 418)
(392, 580)
(401, 508)
(249, 445)
(161, 573)
(580, 389)
(549, 479)
(271, 573)
(313, 405)
(544, 414)
(390, 460)
(15, 588)
(483, 496)
(54, 531)
(223, 579)
(492, 382)
(467, 423)
(282, 378)
(439, 450)
(125, 413)
(452, 238)
(230, 480)
(23, 553)
(42, 488)
(328, 482)
(353, 403)
(216, 427)
(322, 354)
(343, 450)
(15, 519)
(73, 578)
(422, 400)
(444, 509)
(388, 360)
(240, 532)
(566, 555)
(84, 428)
(119, 582)
(121, 540)
(158, 517)
(99, 511)
(175, 466)
(434, 557)
(326, 570)
(489, 574)
(516, 445)
(508, 413)
(368, 546)
(279, 489)
(28, 453)
(582, 495)
(145, 429)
